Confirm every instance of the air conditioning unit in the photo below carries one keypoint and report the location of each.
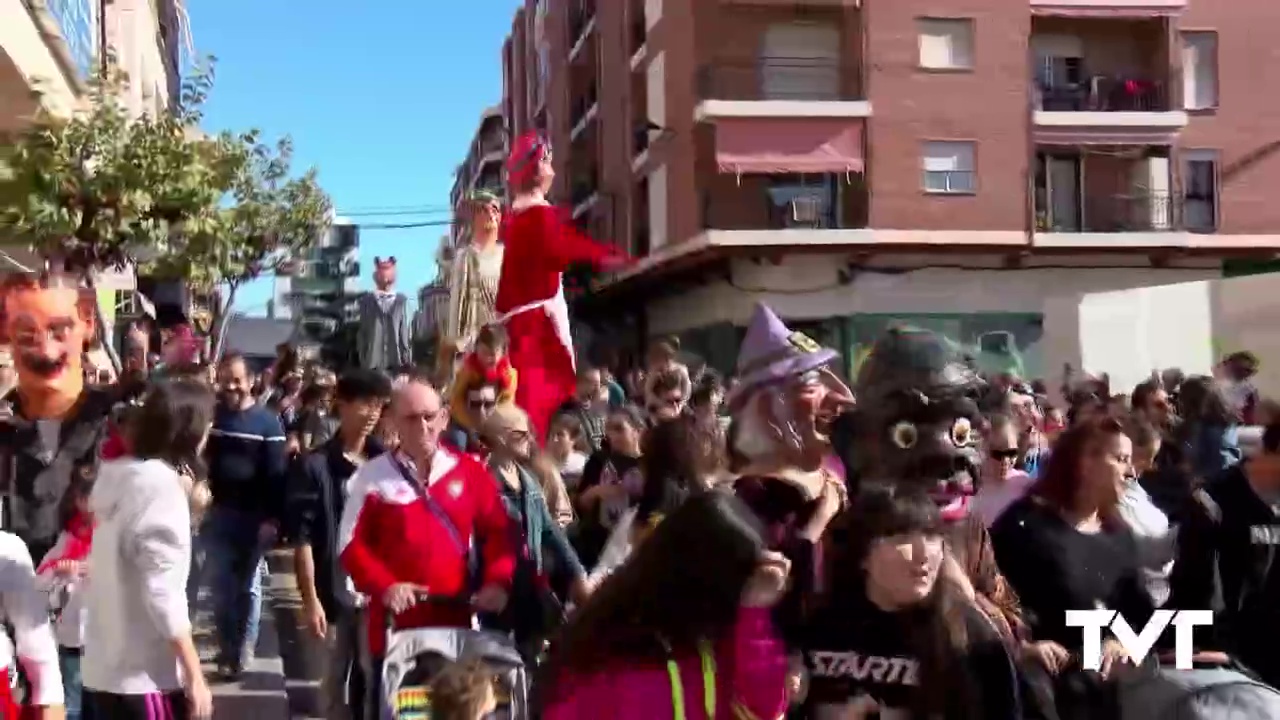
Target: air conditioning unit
(805, 210)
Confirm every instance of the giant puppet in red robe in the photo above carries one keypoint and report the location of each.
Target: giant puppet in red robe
(540, 244)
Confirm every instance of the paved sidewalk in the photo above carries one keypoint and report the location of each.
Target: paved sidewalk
(302, 653)
(260, 693)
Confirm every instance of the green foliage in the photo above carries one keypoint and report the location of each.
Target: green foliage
(104, 188)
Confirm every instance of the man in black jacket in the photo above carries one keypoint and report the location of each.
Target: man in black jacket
(1227, 561)
(317, 494)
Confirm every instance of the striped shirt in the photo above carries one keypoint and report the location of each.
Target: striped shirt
(246, 458)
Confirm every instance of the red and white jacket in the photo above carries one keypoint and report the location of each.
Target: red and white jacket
(389, 535)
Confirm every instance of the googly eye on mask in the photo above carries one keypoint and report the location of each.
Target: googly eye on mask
(962, 434)
(904, 435)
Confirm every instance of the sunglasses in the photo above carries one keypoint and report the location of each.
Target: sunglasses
(1004, 454)
(482, 404)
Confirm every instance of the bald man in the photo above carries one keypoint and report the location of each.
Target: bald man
(410, 521)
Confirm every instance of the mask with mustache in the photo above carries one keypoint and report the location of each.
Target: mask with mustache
(47, 320)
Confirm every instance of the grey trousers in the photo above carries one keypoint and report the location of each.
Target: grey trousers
(343, 687)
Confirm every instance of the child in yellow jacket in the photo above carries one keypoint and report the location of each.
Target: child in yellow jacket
(486, 364)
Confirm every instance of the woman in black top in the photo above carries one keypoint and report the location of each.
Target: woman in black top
(896, 637)
(1063, 547)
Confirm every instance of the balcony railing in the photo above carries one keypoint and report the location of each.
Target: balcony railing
(779, 207)
(582, 105)
(579, 18)
(641, 138)
(581, 191)
(639, 35)
(1152, 212)
(1105, 94)
(780, 78)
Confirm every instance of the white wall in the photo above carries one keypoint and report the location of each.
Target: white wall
(1247, 317)
(808, 287)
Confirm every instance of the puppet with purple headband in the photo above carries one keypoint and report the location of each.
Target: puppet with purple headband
(383, 342)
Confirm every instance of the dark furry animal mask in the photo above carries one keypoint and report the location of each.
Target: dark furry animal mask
(917, 419)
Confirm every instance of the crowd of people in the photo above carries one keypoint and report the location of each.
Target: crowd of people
(657, 542)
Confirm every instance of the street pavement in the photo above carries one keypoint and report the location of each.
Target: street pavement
(282, 680)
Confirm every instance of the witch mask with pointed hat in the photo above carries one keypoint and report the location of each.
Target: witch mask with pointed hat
(785, 399)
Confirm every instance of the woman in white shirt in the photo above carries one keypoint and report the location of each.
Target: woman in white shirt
(140, 660)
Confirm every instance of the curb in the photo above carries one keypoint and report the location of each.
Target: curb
(260, 693)
(303, 655)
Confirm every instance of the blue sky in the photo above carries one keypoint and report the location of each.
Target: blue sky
(382, 96)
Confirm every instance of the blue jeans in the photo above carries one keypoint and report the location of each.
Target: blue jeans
(232, 564)
(72, 688)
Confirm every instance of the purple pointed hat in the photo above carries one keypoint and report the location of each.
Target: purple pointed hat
(771, 353)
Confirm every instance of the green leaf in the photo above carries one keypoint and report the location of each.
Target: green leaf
(104, 188)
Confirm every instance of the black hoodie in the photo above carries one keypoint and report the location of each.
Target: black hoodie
(1227, 562)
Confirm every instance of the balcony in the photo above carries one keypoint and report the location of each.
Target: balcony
(582, 195)
(1106, 8)
(582, 24)
(784, 202)
(780, 87)
(1102, 82)
(583, 111)
(1114, 194)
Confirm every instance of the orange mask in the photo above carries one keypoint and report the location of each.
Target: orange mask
(47, 322)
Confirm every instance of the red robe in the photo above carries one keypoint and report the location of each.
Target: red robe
(540, 246)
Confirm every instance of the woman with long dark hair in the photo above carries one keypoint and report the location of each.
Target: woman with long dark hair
(895, 634)
(673, 471)
(682, 630)
(1065, 546)
(140, 659)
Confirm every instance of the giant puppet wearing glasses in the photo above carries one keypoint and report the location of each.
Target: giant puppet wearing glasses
(58, 421)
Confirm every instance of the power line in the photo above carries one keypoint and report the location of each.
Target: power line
(392, 209)
(405, 226)
(388, 213)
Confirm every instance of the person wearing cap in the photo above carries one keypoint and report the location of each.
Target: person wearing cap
(473, 277)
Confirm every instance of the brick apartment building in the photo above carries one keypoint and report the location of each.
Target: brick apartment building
(482, 168)
(954, 164)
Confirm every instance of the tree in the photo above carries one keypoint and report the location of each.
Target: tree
(269, 220)
(104, 189)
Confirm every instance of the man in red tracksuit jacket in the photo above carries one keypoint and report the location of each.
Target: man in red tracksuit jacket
(410, 521)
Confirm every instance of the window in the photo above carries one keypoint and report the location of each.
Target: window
(946, 44)
(1200, 204)
(1199, 70)
(948, 167)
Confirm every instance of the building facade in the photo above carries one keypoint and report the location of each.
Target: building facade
(482, 168)
(860, 163)
(321, 294)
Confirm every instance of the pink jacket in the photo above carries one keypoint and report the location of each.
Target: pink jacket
(751, 668)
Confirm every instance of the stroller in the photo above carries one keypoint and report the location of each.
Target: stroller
(413, 658)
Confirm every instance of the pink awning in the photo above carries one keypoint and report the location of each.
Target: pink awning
(785, 145)
(1104, 136)
(1104, 9)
